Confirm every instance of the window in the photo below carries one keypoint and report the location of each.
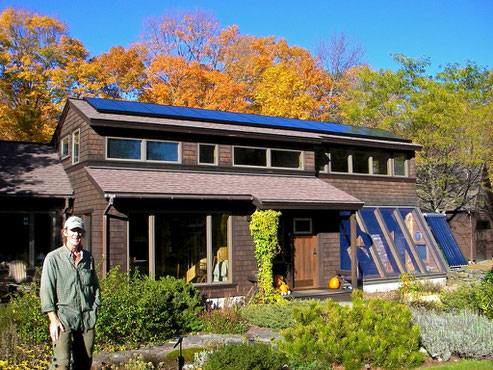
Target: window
(250, 156)
(339, 160)
(162, 151)
(75, 146)
(400, 165)
(285, 158)
(367, 161)
(207, 154)
(380, 163)
(302, 226)
(64, 147)
(361, 160)
(260, 157)
(123, 148)
(192, 246)
(133, 149)
(391, 241)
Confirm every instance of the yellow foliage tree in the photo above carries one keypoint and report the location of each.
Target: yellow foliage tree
(39, 66)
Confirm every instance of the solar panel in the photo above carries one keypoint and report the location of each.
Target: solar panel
(443, 234)
(157, 110)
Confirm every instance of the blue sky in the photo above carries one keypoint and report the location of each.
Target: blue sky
(447, 31)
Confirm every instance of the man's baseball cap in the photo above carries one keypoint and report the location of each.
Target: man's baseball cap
(74, 222)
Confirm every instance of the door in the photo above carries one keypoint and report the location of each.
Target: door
(305, 262)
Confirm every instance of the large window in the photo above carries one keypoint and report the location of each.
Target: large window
(192, 246)
(250, 157)
(391, 241)
(75, 146)
(161, 151)
(140, 149)
(123, 148)
(266, 157)
(285, 158)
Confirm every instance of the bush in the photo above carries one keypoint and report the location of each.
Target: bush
(471, 335)
(30, 323)
(137, 309)
(274, 316)
(375, 332)
(244, 357)
(224, 321)
(484, 298)
(410, 284)
(17, 348)
(460, 297)
(477, 297)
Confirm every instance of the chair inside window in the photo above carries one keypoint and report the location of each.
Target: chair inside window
(17, 272)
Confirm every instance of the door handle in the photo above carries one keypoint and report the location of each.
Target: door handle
(314, 250)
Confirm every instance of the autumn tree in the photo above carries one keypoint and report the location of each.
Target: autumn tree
(119, 73)
(40, 65)
(449, 114)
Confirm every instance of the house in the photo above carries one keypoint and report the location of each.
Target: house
(35, 192)
(169, 191)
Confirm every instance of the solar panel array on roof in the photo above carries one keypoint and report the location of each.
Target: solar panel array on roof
(165, 111)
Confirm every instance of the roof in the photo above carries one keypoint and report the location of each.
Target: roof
(265, 191)
(128, 117)
(32, 169)
(194, 114)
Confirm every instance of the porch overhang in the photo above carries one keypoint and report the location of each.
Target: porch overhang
(264, 191)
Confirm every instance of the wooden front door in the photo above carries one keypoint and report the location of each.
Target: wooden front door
(305, 262)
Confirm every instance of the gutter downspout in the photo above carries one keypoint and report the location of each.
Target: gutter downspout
(111, 199)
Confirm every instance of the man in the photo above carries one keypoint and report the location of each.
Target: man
(70, 296)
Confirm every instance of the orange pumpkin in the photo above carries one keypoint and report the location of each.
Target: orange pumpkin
(334, 283)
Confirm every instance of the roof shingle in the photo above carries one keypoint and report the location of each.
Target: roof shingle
(265, 191)
(32, 169)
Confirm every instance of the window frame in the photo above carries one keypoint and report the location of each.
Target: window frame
(406, 164)
(216, 151)
(76, 159)
(269, 158)
(302, 232)
(67, 154)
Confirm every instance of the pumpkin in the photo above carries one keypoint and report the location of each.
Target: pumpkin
(334, 283)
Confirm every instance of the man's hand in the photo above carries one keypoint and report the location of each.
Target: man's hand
(55, 326)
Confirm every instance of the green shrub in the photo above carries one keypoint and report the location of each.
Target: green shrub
(136, 308)
(488, 277)
(30, 323)
(17, 348)
(274, 316)
(484, 298)
(224, 321)
(464, 334)
(410, 284)
(375, 332)
(462, 297)
(244, 357)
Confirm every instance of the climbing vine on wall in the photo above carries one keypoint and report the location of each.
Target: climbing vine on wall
(264, 230)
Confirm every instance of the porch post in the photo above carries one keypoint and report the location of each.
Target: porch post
(152, 246)
(354, 255)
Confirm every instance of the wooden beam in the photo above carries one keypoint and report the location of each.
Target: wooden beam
(354, 255)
